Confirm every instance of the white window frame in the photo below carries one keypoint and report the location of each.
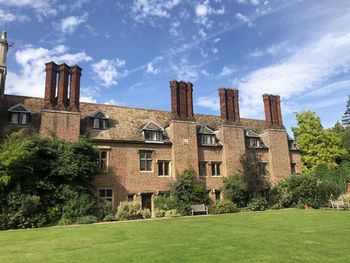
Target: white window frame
(100, 160)
(146, 160)
(216, 169)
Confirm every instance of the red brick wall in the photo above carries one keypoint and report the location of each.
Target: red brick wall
(65, 124)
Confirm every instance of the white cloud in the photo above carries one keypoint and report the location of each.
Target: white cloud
(150, 69)
(88, 99)
(309, 67)
(8, 17)
(40, 7)
(226, 71)
(203, 11)
(185, 71)
(107, 71)
(30, 81)
(211, 103)
(244, 19)
(69, 24)
(144, 9)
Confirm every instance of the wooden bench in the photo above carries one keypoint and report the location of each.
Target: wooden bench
(340, 204)
(199, 209)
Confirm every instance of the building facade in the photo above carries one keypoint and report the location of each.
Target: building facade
(141, 151)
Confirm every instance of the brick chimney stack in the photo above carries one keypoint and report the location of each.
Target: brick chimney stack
(181, 100)
(62, 94)
(50, 84)
(74, 95)
(229, 105)
(273, 116)
(3, 69)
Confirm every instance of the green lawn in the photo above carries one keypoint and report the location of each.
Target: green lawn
(271, 236)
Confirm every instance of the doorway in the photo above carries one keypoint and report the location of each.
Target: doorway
(146, 200)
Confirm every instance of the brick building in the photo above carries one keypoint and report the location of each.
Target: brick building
(141, 150)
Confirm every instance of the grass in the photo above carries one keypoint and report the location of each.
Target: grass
(271, 236)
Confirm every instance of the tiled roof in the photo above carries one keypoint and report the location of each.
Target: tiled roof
(124, 123)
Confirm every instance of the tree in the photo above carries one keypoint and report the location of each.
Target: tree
(257, 184)
(40, 178)
(187, 189)
(346, 117)
(317, 145)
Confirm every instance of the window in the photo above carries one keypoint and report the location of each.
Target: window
(146, 161)
(254, 142)
(207, 139)
(102, 160)
(215, 169)
(99, 120)
(263, 169)
(153, 135)
(163, 168)
(292, 145)
(100, 124)
(293, 168)
(202, 168)
(105, 195)
(19, 118)
(19, 114)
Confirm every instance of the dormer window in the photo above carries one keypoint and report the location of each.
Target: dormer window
(152, 132)
(19, 115)
(153, 135)
(99, 120)
(206, 137)
(292, 144)
(253, 140)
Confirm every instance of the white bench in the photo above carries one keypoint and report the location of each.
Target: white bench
(340, 204)
(199, 209)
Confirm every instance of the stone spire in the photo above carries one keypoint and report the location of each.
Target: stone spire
(3, 69)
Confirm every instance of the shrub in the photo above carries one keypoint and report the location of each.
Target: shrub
(159, 212)
(236, 190)
(86, 220)
(310, 190)
(109, 218)
(188, 190)
(24, 211)
(280, 197)
(165, 202)
(128, 211)
(76, 205)
(344, 197)
(257, 204)
(105, 209)
(171, 213)
(146, 213)
(224, 206)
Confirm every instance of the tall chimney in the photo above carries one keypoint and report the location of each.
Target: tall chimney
(174, 94)
(273, 116)
(62, 98)
(74, 96)
(181, 100)
(3, 69)
(189, 100)
(50, 84)
(229, 105)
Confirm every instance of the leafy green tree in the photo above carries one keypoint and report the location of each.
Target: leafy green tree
(257, 184)
(317, 145)
(346, 116)
(236, 190)
(187, 190)
(39, 171)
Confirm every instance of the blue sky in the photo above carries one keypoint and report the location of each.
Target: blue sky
(130, 50)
